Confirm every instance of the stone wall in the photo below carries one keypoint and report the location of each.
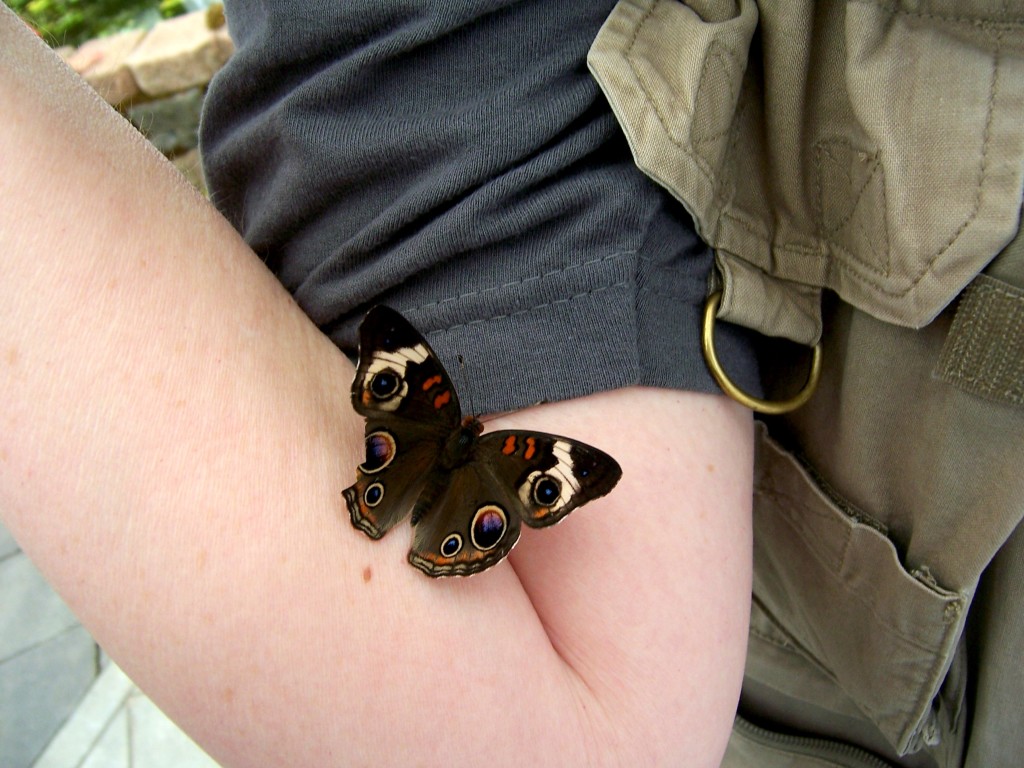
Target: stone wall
(157, 78)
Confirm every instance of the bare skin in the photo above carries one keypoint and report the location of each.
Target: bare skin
(174, 438)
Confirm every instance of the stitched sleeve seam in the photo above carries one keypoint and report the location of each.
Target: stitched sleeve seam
(535, 307)
(525, 281)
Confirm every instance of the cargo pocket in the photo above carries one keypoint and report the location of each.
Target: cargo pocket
(752, 745)
(838, 622)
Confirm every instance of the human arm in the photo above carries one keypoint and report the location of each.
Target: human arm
(176, 435)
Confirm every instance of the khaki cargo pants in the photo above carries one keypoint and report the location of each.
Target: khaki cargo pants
(858, 168)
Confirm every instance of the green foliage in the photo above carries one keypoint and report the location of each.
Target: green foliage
(72, 22)
(169, 8)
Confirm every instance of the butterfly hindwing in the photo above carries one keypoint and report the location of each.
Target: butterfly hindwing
(386, 489)
(470, 525)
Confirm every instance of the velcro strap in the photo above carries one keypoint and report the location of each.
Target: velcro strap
(984, 351)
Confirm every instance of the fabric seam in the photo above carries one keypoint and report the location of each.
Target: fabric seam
(532, 308)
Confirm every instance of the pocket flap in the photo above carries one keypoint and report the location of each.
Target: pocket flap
(867, 148)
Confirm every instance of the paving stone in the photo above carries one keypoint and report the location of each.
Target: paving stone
(30, 611)
(156, 742)
(113, 749)
(92, 722)
(39, 689)
(178, 54)
(102, 62)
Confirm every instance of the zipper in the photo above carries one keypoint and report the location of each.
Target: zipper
(835, 752)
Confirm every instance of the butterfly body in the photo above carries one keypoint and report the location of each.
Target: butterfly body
(467, 492)
(461, 444)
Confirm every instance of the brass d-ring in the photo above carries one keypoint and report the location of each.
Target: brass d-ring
(770, 407)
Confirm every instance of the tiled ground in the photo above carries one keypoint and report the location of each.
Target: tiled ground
(61, 704)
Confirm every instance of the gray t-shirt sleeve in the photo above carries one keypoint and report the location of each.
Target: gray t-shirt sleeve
(457, 162)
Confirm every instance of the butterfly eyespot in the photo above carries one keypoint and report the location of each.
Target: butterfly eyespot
(452, 545)
(384, 384)
(373, 495)
(380, 451)
(546, 490)
(488, 528)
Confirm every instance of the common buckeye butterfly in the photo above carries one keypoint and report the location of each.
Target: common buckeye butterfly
(468, 492)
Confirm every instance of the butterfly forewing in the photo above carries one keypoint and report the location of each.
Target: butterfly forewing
(400, 376)
(549, 475)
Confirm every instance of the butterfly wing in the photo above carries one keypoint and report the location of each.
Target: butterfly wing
(400, 377)
(469, 525)
(410, 407)
(385, 490)
(514, 477)
(549, 475)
